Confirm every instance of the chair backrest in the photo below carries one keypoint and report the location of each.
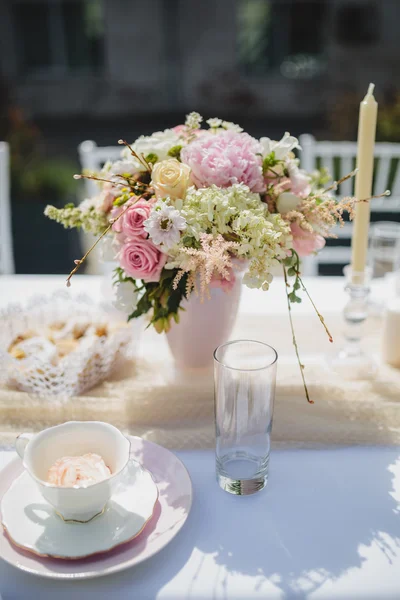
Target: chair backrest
(6, 242)
(340, 159)
(93, 157)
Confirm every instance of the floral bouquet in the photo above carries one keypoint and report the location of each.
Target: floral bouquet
(185, 206)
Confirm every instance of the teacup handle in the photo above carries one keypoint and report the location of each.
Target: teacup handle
(21, 443)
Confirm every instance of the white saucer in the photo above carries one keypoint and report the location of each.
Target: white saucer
(32, 524)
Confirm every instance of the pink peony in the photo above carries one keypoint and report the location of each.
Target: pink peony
(141, 259)
(224, 159)
(306, 242)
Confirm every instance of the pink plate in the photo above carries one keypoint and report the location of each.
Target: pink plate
(171, 512)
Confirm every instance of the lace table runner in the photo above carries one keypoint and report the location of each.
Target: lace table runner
(148, 397)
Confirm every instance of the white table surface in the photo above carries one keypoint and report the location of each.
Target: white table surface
(327, 526)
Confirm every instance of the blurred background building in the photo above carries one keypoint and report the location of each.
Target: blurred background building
(98, 69)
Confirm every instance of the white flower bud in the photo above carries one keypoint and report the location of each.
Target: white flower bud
(125, 297)
(287, 202)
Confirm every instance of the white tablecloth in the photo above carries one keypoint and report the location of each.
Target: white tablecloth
(326, 527)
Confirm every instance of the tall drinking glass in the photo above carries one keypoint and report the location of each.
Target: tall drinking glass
(245, 378)
(384, 248)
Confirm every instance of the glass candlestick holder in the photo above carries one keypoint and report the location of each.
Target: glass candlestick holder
(352, 361)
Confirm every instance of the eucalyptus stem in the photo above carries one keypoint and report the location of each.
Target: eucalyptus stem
(294, 337)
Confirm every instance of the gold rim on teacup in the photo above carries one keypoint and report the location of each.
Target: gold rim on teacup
(75, 504)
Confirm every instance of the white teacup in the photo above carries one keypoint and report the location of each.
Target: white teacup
(75, 438)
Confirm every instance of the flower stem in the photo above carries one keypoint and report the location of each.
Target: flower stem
(321, 318)
(140, 158)
(79, 262)
(294, 337)
(94, 178)
(274, 172)
(335, 184)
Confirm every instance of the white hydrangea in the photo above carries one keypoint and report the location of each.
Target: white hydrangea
(240, 215)
(158, 143)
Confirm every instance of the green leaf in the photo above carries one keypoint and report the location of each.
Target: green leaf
(269, 162)
(175, 152)
(161, 298)
(143, 307)
(151, 158)
(291, 272)
(289, 261)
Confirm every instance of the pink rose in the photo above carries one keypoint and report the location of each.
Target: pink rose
(224, 159)
(133, 219)
(141, 259)
(306, 242)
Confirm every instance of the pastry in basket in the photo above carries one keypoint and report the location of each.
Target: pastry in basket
(59, 346)
(57, 340)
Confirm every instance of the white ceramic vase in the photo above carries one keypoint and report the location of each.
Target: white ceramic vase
(204, 326)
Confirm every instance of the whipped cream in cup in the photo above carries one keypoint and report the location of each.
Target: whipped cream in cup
(48, 451)
(78, 471)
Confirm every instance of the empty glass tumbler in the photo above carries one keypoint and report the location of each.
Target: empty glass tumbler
(245, 379)
(384, 248)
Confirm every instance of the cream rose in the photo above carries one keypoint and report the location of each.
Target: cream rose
(170, 178)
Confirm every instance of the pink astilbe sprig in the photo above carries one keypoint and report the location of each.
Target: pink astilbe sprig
(295, 216)
(323, 212)
(214, 257)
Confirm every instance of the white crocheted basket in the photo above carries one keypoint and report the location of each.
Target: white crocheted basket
(91, 362)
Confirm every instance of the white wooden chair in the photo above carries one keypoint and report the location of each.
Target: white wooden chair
(340, 158)
(6, 241)
(92, 158)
